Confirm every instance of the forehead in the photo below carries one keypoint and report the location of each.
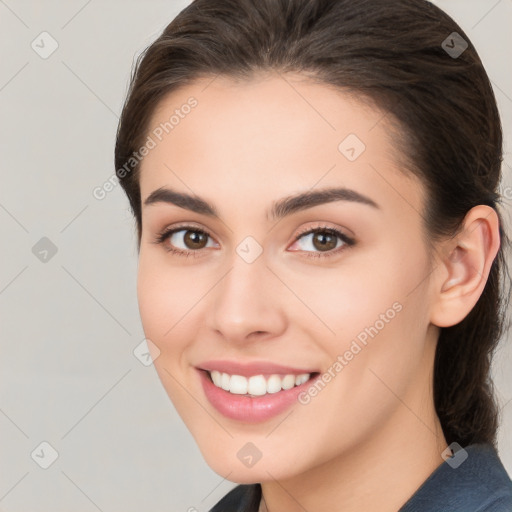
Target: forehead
(271, 112)
(281, 133)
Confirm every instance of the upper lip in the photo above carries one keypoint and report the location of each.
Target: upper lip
(251, 368)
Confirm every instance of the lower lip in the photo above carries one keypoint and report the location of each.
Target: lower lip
(250, 409)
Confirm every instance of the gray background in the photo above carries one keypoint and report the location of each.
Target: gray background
(70, 323)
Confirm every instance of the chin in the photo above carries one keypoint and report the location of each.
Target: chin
(236, 465)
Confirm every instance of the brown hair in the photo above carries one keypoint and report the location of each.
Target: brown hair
(393, 54)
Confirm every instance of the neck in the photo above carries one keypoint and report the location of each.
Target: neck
(380, 472)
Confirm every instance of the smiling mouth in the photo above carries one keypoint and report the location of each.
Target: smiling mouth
(257, 385)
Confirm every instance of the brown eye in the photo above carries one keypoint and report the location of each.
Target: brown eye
(195, 239)
(318, 241)
(324, 241)
(186, 239)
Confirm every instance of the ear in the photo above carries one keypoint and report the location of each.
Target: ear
(462, 270)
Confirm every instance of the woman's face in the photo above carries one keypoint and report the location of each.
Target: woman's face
(255, 293)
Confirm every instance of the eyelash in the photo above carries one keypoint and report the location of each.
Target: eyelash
(348, 242)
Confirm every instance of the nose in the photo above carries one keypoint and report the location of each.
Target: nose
(248, 303)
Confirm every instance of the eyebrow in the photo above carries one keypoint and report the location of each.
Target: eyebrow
(281, 208)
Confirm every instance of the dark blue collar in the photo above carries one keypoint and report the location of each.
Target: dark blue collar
(477, 483)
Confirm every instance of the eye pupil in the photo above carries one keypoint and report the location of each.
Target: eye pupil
(324, 241)
(195, 239)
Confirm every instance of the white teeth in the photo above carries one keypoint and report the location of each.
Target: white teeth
(256, 385)
(300, 379)
(238, 385)
(288, 382)
(217, 378)
(273, 384)
(224, 381)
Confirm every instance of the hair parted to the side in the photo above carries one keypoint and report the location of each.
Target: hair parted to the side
(389, 53)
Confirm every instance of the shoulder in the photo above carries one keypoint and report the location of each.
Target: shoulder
(474, 480)
(243, 498)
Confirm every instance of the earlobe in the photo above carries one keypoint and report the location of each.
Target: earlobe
(461, 275)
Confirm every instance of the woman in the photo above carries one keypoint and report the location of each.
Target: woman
(315, 188)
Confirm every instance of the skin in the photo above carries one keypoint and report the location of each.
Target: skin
(371, 437)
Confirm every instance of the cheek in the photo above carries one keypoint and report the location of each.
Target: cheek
(155, 306)
(164, 301)
(164, 295)
(343, 302)
(377, 315)
(383, 328)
